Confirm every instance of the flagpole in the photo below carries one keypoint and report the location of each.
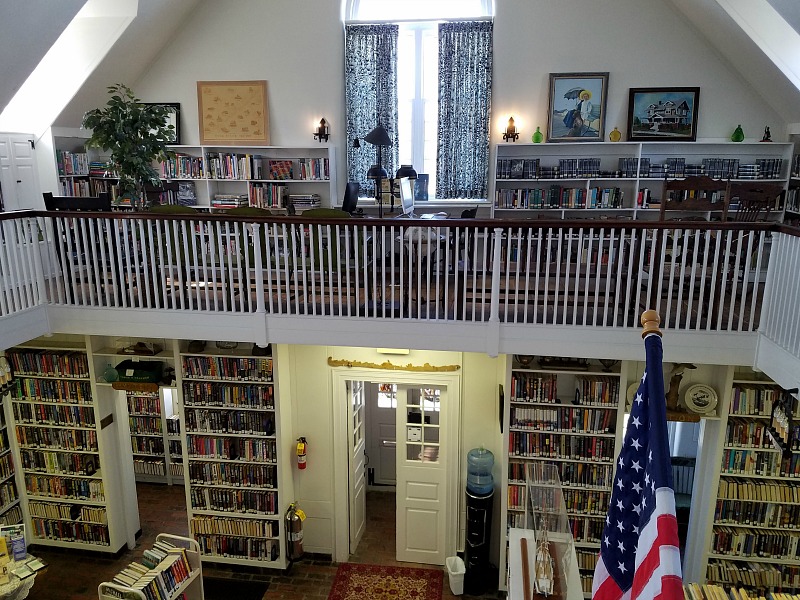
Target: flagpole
(650, 322)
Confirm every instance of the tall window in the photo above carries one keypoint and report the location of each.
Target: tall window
(417, 139)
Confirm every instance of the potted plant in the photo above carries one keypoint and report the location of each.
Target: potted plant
(136, 134)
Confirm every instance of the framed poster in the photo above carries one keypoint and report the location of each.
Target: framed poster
(233, 113)
(663, 114)
(173, 118)
(577, 110)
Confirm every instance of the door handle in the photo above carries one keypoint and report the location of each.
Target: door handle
(388, 443)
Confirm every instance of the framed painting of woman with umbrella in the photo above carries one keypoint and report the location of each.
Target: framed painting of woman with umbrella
(577, 111)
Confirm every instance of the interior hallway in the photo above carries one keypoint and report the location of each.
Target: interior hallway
(75, 575)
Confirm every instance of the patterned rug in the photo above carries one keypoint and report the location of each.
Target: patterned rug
(357, 582)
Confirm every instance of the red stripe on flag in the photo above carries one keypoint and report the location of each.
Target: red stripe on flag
(671, 588)
(608, 590)
(667, 527)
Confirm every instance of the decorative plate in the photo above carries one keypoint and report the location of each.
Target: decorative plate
(700, 398)
(631, 394)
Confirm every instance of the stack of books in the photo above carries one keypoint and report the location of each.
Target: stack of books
(163, 569)
(305, 201)
(229, 200)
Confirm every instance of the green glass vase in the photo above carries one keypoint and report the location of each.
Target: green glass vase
(738, 134)
(537, 136)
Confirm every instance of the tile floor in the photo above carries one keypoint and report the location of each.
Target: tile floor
(75, 575)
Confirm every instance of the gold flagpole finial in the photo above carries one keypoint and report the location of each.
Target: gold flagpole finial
(650, 321)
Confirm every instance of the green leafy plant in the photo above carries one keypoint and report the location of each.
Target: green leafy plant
(135, 134)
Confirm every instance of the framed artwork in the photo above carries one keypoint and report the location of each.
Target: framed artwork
(233, 113)
(577, 107)
(173, 118)
(663, 114)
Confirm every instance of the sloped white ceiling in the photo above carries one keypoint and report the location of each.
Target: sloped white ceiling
(789, 10)
(27, 30)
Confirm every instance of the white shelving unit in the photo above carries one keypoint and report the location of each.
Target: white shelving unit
(73, 160)
(191, 585)
(10, 511)
(244, 170)
(572, 419)
(231, 442)
(77, 490)
(607, 172)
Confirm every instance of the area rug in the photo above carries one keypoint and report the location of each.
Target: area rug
(218, 588)
(357, 582)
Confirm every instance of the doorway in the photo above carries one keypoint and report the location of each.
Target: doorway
(424, 411)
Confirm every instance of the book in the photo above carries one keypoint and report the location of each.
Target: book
(281, 169)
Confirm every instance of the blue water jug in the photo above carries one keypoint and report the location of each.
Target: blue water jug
(479, 471)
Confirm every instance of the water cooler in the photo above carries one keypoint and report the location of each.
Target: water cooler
(480, 492)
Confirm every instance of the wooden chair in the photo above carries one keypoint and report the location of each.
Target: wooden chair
(753, 200)
(695, 194)
(102, 202)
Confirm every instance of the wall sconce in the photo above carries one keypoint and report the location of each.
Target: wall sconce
(511, 132)
(323, 132)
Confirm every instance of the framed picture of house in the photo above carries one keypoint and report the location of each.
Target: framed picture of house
(663, 114)
(577, 109)
(233, 113)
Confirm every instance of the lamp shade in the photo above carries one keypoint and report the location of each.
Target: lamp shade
(376, 171)
(378, 137)
(406, 171)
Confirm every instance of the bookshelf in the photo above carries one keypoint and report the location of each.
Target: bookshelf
(82, 172)
(10, 511)
(615, 180)
(75, 493)
(570, 418)
(263, 176)
(152, 409)
(755, 538)
(170, 569)
(230, 443)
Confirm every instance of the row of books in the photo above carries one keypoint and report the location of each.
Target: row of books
(102, 169)
(156, 468)
(314, 169)
(742, 541)
(144, 404)
(764, 514)
(59, 463)
(183, 166)
(145, 424)
(755, 462)
(70, 531)
(517, 168)
(173, 424)
(587, 529)
(176, 469)
(559, 197)
(6, 466)
(268, 195)
(261, 528)
(587, 560)
(793, 200)
(560, 446)
(68, 512)
(72, 163)
(53, 390)
(753, 401)
(228, 421)
(584, 475)
(54, 414)
(202, 446)
(76, 188)
(757, 576)
(163, 569)
(224, 367)
(257, 476)
(57, 486)
(29, 436)
(8, 493)
(237, 501)
(746, 434)
(593, 502)
(516, 518)
(50, 363)
(147, 445)
(227, 395)
(12, 516)
(596, 391)
(562, 419)
(228, 546)
(758, 490)
(534, 388)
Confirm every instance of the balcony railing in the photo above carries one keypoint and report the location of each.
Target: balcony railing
(698, 276)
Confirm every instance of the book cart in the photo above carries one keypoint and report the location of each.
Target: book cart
(171, 569)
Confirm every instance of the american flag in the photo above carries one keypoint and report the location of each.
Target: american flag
(639, 555)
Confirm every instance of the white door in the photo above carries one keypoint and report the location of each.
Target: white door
(357, 475)
(381, 441)
(422, 500)
(18, 172)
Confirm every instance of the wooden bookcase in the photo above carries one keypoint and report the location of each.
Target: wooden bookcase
(525, 176)
(231, 442)
(755, 540)
(75, 488)
(570, 418)
(248, 173)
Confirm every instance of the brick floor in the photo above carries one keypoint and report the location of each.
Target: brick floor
(75, 575)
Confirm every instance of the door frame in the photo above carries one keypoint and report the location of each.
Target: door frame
(341, 508)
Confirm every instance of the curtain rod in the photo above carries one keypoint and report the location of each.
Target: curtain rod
(387, 21)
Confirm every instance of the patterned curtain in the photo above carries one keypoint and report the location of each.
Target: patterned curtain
(370, 97)
(465, 102)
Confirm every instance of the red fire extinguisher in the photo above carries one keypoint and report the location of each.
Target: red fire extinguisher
(302, 446)
(294, 532)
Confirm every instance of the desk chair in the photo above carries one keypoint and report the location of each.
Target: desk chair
(463, 242)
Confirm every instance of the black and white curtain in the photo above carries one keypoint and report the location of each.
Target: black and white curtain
(370, 97)
(465, 101)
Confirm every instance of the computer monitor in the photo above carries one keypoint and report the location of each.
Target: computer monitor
(407, 196)
(350, 197)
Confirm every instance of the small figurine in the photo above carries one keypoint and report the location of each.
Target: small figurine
(767, 135)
